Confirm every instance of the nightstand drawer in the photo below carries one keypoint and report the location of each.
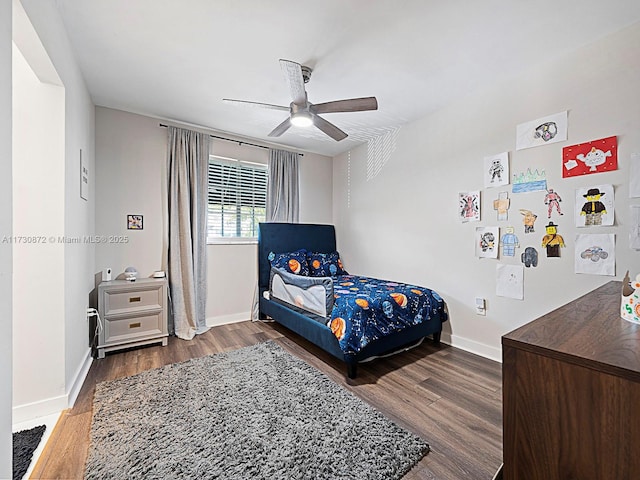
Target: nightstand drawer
(130, 300)
(127, 328)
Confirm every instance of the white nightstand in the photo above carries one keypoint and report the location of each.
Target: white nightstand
(132, 314)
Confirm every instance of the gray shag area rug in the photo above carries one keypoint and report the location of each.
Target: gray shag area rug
(257, 412)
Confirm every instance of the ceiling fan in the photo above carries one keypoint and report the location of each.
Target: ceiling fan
(302, 112)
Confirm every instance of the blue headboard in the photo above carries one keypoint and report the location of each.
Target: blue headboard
(288, 237)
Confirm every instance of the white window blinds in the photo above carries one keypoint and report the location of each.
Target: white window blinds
(237, 198)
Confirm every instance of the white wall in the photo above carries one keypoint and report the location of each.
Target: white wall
(402, 224)
(6, 252)
(131, 178)
(77, 269)
(38, 214)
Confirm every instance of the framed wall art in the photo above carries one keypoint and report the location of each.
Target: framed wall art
(84, 179)
(134, 222)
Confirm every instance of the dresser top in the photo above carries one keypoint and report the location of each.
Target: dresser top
(139, 281)
(588, 331)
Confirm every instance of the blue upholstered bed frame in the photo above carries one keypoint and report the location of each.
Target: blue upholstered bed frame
(288, 237)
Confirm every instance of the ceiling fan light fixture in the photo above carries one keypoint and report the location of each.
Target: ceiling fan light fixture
(302, 119)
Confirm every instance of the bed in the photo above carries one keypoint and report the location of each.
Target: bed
(379, 317)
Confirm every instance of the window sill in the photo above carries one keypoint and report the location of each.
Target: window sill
(232, 241)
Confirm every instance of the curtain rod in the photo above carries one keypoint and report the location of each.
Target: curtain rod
(239, 142)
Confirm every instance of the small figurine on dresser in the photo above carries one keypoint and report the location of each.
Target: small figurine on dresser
(130, 274)
(630, 305)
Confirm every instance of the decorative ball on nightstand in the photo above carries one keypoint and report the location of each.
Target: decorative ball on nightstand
(130, 274)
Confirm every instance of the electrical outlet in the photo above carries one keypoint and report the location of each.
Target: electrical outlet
(480, 306)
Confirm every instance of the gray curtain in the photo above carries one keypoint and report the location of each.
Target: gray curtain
(283, 197)
(188, 157)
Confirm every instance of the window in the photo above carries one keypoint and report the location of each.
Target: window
(237, 199)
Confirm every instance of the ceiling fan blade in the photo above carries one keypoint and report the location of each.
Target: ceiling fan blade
(329, 128)
(280, 129)
(267, 106)
(350, 105)
(293, 75)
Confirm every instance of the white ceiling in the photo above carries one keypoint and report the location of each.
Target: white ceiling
(177, 59)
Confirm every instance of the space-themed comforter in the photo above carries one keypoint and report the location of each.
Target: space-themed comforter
(357, 309)
(366, 309)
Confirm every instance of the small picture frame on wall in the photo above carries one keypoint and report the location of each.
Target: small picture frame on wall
(134, 222)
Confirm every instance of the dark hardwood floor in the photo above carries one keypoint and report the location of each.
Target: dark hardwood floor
(451, 398)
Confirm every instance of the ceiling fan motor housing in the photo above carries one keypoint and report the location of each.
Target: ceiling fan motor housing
(295, 109)
(306, 73)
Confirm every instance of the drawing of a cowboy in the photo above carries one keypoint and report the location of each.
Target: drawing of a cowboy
(552, 241)
(593, 209)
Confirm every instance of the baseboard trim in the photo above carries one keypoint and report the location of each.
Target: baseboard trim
(472, 346)
(41, 408)
(54, 405)
(226, 319)
(79, 377)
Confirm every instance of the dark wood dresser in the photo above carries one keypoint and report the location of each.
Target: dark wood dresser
(571, 393)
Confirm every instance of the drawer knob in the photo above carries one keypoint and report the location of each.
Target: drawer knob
(134, 299)
(134, 325)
